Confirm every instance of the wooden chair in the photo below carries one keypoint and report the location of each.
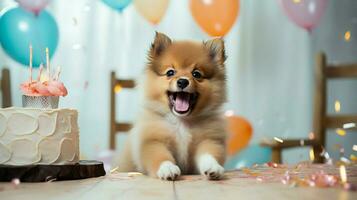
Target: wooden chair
(5, 88)
(116, 127)
(322, 121)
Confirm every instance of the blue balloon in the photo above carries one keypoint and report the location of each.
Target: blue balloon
(117, 4)
(20, 28)
(253, 154)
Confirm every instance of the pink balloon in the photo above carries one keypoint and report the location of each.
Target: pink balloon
(34, 6)
(304, 13)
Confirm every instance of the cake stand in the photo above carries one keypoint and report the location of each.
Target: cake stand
(44, 173)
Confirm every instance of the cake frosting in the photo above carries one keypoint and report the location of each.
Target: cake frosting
(38, 136)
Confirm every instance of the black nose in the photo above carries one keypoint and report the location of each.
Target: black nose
(182, 83)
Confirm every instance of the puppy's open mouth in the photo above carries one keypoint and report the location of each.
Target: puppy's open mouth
(182, 102)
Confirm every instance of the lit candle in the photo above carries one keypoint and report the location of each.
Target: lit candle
(48, 64)
(30, 64)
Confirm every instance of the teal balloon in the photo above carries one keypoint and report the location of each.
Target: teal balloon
(20, 28)
(119, 5)
(253, 154)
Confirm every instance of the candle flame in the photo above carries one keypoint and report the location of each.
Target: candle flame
(44, 77)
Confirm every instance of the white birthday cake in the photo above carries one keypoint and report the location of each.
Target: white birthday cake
(39, 133)
(38, 136)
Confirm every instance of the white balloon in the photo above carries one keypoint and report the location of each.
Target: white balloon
(34, 6)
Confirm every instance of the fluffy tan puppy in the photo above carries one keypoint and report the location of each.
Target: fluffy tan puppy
(181, 129)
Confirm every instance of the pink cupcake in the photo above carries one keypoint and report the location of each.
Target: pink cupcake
(45, 91)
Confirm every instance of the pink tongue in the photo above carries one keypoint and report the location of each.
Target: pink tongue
(182, 102)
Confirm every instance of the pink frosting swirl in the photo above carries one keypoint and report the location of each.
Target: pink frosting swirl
(46, 88)
(28, 88)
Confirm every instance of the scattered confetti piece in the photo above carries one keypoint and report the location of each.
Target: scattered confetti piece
(259, 179)
(278, 139)
(74, 21)
(343, 174)
(347, 36)
(250, 172)
(272, 164)
(349, 125)
(341, 132)
(302, 142)
(77, 46)
(303, 174)
(134, 174)
(117, 88)
(311, 136)
(312, 154)
(349, 187)
(50, 179)
(15, 182)
(229, 113)
(353, 158)
(354, 147)
(327, 157)
(345, 160)
(321, 179)
(86, 84)
(114, 170)
(337, 106)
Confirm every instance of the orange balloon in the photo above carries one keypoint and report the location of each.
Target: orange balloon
(240, 131)
(152, 10)
(216, 17)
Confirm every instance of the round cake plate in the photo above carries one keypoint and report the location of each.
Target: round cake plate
(43, 173)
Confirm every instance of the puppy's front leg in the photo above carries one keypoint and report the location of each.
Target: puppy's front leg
(158, 161)
(209, 157)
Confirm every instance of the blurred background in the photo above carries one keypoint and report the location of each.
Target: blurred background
(271, 47)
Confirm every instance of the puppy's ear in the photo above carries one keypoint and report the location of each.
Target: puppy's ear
(216, 49)
(160, 43)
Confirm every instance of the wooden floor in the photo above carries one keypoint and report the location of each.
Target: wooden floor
(238, 185)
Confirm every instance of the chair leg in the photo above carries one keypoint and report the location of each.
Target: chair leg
(112, 111)
(6, 88)
(317, 154)
(276, 155)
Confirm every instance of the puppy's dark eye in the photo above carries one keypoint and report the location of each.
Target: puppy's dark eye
(170, 73)
(196, 74)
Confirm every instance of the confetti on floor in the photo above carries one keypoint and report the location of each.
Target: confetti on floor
(302, 175)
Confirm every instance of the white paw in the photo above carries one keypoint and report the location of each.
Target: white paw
(168, 171)
(209, 167)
